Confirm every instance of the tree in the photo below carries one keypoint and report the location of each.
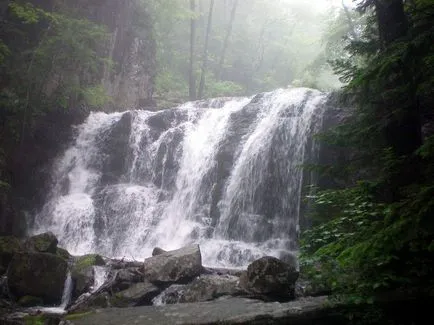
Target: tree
(192, 79)
(226, 41)
(205, 52)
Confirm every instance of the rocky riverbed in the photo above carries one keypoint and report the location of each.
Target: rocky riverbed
(170, 287)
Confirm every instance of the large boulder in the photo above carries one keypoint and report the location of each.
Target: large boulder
(178, 266)
(38, 275)
(43, 243)
(269, 276)
(139, 294)
(8, 247)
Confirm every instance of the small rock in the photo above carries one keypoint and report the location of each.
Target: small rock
(158, 251)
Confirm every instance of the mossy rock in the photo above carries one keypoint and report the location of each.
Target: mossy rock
(9, 246)
(85, 261)
(37, 274)
(43, 243)
(63, 253)
(30, 301)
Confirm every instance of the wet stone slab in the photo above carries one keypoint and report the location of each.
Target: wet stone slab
(223, 311)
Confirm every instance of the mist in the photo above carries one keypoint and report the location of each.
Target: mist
(252, 46)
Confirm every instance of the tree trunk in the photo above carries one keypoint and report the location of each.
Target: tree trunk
(226, 41)
(205, 51)
(403, 126)
(192, 79)
(392, 22)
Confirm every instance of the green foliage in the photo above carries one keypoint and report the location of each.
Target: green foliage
(364, 239)
(96, 96)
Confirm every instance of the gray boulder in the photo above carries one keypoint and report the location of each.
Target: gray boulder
(43, 243)
(158, 251)
(138, 294)
(269, 276)
(38, 275)
(126, 277)
(178, 266)
(209, 287)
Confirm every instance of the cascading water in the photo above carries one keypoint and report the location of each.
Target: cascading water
(223, 173)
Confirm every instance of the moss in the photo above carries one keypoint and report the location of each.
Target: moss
(30, 301)
(44, 243)
(63, 253)
(34, 320)
(78, 315)
(85, 261)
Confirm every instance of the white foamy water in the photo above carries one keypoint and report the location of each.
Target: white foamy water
(223, 173)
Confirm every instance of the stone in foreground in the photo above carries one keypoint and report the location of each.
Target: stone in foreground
(270, 277)
(223, 311)
(178, 266)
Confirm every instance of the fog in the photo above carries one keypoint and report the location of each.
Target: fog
(253, 45)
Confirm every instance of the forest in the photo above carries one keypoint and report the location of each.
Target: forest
(370, 237)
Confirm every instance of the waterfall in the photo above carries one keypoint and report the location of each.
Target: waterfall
(67, 291)
(223, 173)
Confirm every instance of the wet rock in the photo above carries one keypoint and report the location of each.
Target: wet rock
(37, 274)
(138, 294)
(270, 277)
(127, 277)
(209, 287)
(9, 245)
(222, 311)
(43, 243)
(178, 266)
(83, 273)
(84, 261)
(158, 251)
(172, 295)
(63, 253)
(82, 280)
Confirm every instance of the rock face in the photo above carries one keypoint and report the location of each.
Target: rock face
(39, 275)
(176, 266)
(43, 243)
(271, 277)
